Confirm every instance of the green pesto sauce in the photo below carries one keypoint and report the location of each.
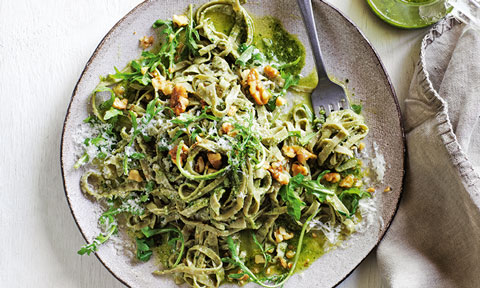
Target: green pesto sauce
(313, 248)
(273, 40)
(409, 13)
(222, 21)
(419, 1)
(309, 81)
(162, 253)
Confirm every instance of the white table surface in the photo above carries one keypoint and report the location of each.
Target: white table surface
(44, 46)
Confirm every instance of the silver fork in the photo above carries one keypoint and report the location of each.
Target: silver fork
(327, 96)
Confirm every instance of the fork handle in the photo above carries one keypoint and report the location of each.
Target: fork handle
(307, 13)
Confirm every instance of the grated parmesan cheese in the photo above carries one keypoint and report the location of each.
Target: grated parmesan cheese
(378, 163)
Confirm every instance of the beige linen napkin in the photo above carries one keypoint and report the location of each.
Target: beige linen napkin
(434, 240)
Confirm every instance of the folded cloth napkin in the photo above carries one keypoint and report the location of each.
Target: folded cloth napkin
(434, 240)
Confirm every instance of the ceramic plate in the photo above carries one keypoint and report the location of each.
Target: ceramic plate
(347, 55)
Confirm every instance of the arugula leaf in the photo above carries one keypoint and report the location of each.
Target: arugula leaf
(108, 220)
(177, 135)
(83, 160)
(112, 112)
(137, 156)
(191, 34)
(246, 145)
(314, 187)
(357, 108)
(90, 119)
(291, 198)
(306, 139)
(143, 250)
(266, 256)
(247, 52)
(350, 198)
(143, 246)
(148, 189)
(107, 104)
(290, 64)
(302, 140)
(290, 80)
(159, 23)
(101, 238)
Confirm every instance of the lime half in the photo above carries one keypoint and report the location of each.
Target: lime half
(410, 13)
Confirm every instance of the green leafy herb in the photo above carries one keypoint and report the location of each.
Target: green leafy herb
(186, 119)
(290, 64)
(107, 104)
(107, 220)
(143, 249)
(100, 239)
(90, 119)
(290, 80)
(357, 108)
(112, 112)
(291, 198)
(350, 198)
(249, 56)
(266, 256)
(191, 34)
(138, 126)
(137, 156)
(143, 244)
(302, 140)
(247, 52)
(82, 161)
(177, 135)
(246, 145)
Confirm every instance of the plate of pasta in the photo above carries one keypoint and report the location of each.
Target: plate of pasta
(192, 157)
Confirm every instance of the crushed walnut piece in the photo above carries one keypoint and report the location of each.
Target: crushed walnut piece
(200, 165)
(227, 128)
(271, 72)
(257, 90)
(347, 182)
(278, 173)
(134, 175)
(280, 101)
(232, 110)
(179, 99)
(119, 90)
(146, 41)
(299, 169)
(183, 154)
(332, 177)
(180, 20)
(120, 104)
(215, 159)
(159, 83)
(282, 234)
(289, 151)
(303, 155)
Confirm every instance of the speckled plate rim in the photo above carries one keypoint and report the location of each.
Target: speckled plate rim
(140, 5)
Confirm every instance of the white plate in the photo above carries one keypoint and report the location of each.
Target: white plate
(348, 55)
